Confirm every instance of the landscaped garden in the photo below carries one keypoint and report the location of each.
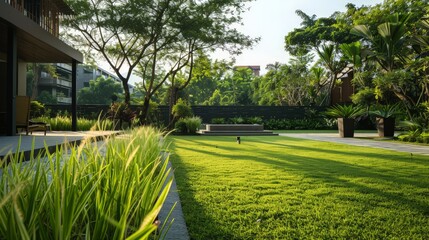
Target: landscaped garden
(287, 188)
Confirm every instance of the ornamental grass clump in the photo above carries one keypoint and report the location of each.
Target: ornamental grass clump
(109, 190)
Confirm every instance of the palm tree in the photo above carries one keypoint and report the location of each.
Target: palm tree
(388, 48)
(328, 55)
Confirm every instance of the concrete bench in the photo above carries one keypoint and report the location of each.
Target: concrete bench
(236, 130)
(234, 127)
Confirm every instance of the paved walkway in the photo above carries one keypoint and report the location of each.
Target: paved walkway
(331, 137)
(11, 144)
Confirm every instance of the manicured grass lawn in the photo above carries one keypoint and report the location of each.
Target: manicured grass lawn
(285, 188)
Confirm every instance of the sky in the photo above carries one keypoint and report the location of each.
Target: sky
(272, 20)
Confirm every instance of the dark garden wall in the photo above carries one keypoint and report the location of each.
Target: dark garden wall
(207, 113)
(265, 112)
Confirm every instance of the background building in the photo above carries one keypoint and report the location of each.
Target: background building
(59, 86)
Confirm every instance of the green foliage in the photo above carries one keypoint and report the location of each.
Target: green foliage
(192, 124)
(288, 188)
(218, 121)
(188, 125)
(154, 116)
(182, 109)
(99, 91)
(316, 31)
(157, 39)
(345, 111)
(300, 124)
(237, 120)
(255, 120)
(121, 111)
(63, 123)
(385, 111)
(289, 84)
(112, 190)
(46, 97)
(37, 109)
(364, 97)
(180, 126)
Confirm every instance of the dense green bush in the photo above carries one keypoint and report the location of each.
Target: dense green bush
(181, 109)
(192, 124)
(188, 125)
(37, 109)
(180, 126)
(300, 124)
(218, 121)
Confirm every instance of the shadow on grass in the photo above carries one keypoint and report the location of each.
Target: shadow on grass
(338, 173)
(194, 211)
(329, 171)
(388, 181)
(407, 158)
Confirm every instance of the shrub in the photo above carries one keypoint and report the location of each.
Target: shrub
(121, 111)
(109, 191)
(237, 120)
(37, 109)
(192, 124)
(218, 121)
(254, 120)
(182, 109)
(180, 126)
(188, 125)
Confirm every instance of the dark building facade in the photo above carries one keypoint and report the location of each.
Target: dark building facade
(29, 31)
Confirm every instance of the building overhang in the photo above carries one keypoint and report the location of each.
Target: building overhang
(34, 43)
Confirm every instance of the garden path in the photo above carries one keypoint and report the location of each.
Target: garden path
(359, 140)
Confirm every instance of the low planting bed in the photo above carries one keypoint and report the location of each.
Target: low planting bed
(109, 190)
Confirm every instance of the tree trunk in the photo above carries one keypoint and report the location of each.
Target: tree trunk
(36, 78)
(172, 101)
(126, 91)
(145, 111)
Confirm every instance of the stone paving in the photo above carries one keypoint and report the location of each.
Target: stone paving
(358, 141)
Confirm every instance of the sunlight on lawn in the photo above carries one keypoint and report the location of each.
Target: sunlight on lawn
(278, 187)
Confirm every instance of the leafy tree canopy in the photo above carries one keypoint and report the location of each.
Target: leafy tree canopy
(99, 91)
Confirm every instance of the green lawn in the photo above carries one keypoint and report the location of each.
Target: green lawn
(285, 188)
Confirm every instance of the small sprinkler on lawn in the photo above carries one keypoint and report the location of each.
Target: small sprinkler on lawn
(238, 140)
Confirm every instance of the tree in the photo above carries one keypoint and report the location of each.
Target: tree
(34, 72)
(100, 91)
(389, 49)
(206, 77)
(121, 32)
(285, 84)
(319, 31)
(46, 97)
(330, 59)
(157, 38)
